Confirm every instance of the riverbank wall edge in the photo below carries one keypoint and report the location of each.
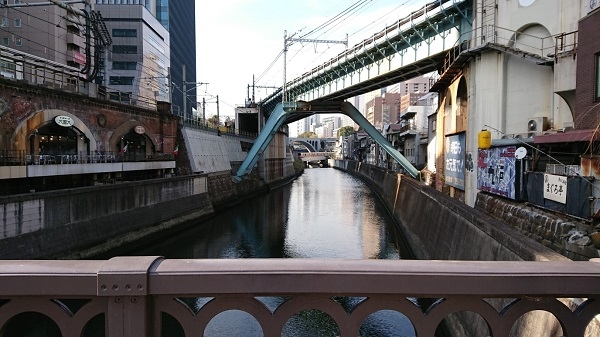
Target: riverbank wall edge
(88, 222)
(438, 227)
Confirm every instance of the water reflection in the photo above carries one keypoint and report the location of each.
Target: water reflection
(323, 214)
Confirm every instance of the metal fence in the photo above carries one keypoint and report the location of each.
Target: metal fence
(20, 158)
(133, 296)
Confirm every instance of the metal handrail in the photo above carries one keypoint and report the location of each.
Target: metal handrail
(20, 158)
(129, 292)
(479, 38)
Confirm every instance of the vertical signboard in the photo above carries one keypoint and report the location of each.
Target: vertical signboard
(500, 172)
(454, 169)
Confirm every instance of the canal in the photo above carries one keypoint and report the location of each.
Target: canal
(325, 213)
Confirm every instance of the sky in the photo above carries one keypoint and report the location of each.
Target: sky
(239, 39)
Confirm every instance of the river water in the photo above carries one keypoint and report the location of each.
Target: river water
(325, 213)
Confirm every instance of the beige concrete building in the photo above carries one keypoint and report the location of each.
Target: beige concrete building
(519, 81)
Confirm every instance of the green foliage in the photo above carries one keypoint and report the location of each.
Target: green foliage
(308, 134)
(298, 166)
(213, 121)
(345, 131)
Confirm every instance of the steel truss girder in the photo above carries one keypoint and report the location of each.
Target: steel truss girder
(409, 38)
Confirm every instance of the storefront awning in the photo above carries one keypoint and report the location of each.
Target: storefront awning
(568, 137)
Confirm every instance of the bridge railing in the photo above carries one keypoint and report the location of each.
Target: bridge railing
(23, 67)
(316, 154)
(137, 296)
(540, 48)
(200, 124)
(21, 158)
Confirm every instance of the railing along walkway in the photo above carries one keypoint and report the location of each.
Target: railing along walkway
(19, 158)
(541, 50)
(134, 294)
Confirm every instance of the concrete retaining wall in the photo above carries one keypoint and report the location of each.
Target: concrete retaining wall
(51, 224)
(87, 222)
(209, 152)
(437, 227)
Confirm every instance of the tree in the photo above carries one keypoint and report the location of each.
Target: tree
(308, 134)
(345, 131)
(213, 121)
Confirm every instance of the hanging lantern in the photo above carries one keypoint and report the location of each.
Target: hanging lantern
(484, 139)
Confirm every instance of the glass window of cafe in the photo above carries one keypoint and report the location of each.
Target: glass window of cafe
(56, 140)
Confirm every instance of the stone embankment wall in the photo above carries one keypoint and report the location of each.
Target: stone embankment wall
(437, 227)
(560, 233)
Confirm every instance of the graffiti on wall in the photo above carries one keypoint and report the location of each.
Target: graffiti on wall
(497, 171)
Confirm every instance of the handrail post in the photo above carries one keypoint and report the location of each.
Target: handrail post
(125, 281)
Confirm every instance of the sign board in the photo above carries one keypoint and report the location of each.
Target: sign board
(454, 167)
(64, 121)
(500, 172)
(555, 188)
(79, 57)
(139, 130)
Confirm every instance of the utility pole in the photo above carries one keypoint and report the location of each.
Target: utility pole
(218, 121)
(287, 41)
(257, 86)
(184, 92)
(203, 110)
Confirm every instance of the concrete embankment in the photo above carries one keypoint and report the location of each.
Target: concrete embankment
(88, 222)
(437, 227)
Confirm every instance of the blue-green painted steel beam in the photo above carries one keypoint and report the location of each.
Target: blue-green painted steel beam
(281, 113)
(275, 121)
(349, 110)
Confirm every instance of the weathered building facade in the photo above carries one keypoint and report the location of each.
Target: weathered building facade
(527, 73)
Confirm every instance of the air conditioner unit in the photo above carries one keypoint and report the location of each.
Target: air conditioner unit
(537, 125)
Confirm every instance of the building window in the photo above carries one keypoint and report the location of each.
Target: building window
(18, 42)
(17, 22)
(4, 22)
(5, 41)
(597, 77)
(124, 49)
(117, 65)
(124, 33)
(121, 80)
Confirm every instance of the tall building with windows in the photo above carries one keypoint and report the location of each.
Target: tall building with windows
(48, 32)
(179, 19)
(138, 61)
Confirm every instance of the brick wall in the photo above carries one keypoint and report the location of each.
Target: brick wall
(24, 107)
(587, 110)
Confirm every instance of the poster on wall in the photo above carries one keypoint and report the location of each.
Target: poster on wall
(454, 153)
(499, 172)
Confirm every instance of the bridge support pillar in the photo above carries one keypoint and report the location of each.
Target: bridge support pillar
(349, 110)
(275, 121)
